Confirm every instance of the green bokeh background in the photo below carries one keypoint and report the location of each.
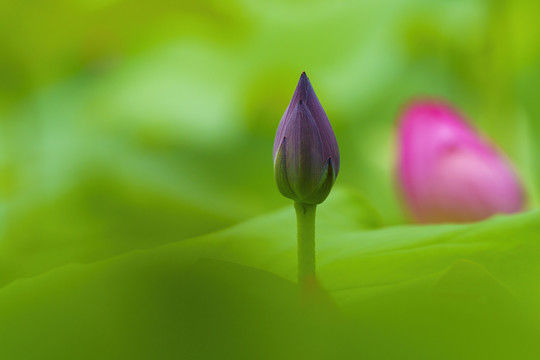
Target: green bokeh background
(138, 212)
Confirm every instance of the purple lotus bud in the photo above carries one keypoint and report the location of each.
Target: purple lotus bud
(306, 155)
(447, 172)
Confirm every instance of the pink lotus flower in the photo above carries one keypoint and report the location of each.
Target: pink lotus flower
(447, 172)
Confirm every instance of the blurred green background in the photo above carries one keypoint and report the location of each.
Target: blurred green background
(125, 125)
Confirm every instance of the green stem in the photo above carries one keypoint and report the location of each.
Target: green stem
(305, 217)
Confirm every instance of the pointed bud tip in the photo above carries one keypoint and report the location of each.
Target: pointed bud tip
(303, 88)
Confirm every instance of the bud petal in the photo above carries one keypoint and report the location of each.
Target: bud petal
(324, 186)
(303, 152)
(280, 172)
(447, 172)
(306, 156)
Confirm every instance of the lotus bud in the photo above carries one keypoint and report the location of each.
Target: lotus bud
(306, 155)
(447, 172)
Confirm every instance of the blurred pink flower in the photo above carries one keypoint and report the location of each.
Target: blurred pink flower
(447, 172)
